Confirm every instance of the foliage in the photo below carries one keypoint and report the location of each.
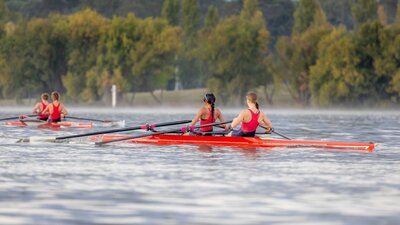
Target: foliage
(335, 78)
(170, 11)
(364, 11)
(85, 29)
(328, 59)
(298, 53)
(305, 15)
(236, 51)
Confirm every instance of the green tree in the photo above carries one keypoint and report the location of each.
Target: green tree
(298, 53)
(335, 79)
(212, 18)
(114, 64)
(305, 15)
(386, 64)
(236, 53)
(170, 11)
(278, 15)
(34, 57)
(190, 69)
(382, 17)
(154, 53)
(338, 12)
(390, 7)
(190, 19)
(85, 30)
(136, 55)
(364, 11)
(369, 49)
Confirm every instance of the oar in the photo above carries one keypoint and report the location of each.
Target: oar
(273, 131)
(145, 126)
(183, 129)
(16, 117)
(88, 119)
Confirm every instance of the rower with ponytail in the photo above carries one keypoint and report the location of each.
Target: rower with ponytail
(250, 118)
(208, 113)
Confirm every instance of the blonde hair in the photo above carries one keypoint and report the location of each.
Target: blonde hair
(55, 95)
(252, 97)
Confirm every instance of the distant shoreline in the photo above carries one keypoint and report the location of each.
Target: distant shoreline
(190, 99)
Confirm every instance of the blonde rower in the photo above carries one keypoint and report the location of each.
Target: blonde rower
(250, 118)
(55, 109)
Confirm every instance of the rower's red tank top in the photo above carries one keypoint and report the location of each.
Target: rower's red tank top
(252, 125)
(56, 112)
(207, 121)
(40, 114)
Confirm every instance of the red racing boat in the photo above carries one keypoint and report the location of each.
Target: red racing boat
(246, 142)
(44, 124)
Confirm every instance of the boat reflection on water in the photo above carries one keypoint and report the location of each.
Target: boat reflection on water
(250, 152)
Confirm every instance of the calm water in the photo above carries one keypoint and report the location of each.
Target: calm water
(78, 183)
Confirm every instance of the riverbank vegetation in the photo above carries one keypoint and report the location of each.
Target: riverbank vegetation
(321, 53)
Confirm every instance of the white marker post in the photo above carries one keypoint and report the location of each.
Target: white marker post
(114, 95)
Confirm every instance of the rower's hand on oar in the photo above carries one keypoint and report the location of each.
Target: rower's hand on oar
(21, 117)
(186, 129)
(269, 130)
(228, 128)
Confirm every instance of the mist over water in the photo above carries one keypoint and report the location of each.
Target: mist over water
(78, 183)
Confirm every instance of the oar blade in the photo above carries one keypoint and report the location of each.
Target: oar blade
(120, 123)
(38, 139)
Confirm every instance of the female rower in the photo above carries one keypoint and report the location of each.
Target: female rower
(41, 106)
(250, 119)
(55, 109)
(208, 114)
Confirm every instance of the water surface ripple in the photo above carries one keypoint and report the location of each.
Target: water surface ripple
(78, 183)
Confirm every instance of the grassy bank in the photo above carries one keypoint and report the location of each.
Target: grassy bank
(190, 98)
(187, 98)
(194, 97)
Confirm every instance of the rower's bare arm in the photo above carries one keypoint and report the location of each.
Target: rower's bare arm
(238, 119)
(36, 108)
(64, 110)
(47, 109)
(197, 117)
(221, 119)
(265, 121)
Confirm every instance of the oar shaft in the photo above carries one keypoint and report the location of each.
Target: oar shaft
(15, 117)
(124, 129)
(273, 131)
(88, 119)
(281, 135)
(158, 132)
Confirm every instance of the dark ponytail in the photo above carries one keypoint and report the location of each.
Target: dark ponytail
(210, 99)
(212, 111)
(257, 105)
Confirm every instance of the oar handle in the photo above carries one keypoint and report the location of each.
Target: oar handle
(183, 129)
(145, 126)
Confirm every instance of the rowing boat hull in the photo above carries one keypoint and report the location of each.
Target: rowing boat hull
(44, 124)
(247, 142)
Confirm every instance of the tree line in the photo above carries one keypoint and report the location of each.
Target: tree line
(319, 59)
